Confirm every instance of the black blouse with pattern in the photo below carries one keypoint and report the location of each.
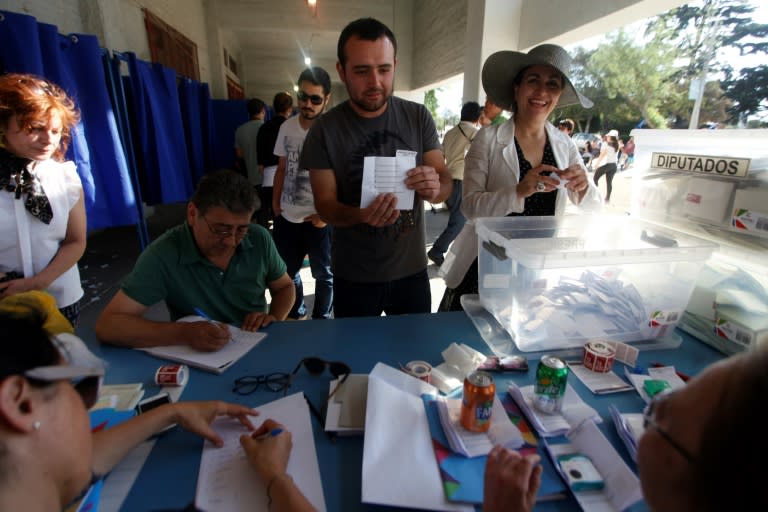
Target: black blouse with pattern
(540, 203)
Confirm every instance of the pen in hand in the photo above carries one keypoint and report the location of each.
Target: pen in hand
(208, 319)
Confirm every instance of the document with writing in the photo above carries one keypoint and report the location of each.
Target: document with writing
(382, 174)
(216, 362)
(227, 483)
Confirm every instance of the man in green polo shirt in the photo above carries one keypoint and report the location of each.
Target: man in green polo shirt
(217, 263)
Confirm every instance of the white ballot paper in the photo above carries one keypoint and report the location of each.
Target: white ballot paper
(399, 465)
(382, 174)
(227, 483)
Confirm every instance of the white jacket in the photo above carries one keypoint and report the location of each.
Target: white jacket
(491, 175)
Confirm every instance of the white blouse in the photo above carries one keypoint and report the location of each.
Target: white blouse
(63, 188)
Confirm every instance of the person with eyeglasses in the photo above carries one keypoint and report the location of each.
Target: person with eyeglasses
(379, 262)
(298, 229)
(216, 262)
(48, 380)
(702, 449)
(42, 210)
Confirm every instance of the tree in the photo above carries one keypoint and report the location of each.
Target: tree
(626, 81)
(700, 31)
(430, 101)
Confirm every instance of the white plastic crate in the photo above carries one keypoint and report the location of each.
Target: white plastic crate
(559, 282)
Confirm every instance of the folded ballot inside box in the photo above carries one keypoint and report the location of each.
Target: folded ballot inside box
(560, 281)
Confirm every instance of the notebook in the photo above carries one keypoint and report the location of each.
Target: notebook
(240, 344)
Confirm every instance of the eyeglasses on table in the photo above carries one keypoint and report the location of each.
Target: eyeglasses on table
(281, 381)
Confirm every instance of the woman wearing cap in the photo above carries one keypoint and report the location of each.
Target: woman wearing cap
(48, 380)
(525, 166)
(606, 162)
(42, 214)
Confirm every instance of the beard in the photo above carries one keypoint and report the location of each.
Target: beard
(369, 105)
(309, 114)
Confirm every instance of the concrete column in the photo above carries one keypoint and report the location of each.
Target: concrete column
(402, 27)
(492, 25)
(218, 78)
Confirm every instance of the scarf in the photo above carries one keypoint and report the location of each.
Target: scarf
(15, 177)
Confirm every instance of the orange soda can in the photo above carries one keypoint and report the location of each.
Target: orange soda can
(477, 403)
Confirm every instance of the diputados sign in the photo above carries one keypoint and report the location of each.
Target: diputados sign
(711, 165)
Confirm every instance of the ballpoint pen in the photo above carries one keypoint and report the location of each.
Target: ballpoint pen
(208, 319)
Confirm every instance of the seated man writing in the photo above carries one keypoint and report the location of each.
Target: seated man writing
(217, 263)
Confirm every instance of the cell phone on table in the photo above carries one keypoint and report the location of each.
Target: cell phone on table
(153, 402)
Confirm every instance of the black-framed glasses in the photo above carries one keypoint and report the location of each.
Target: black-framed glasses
(240, 232)
(316, 99)
(649, 419)
(278, 381)
(316, 366)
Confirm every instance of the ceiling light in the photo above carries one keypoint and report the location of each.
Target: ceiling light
(307, 61)
(295, 88)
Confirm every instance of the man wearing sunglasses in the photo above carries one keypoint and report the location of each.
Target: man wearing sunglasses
(217, 262)
(298, 229)
(379, 262)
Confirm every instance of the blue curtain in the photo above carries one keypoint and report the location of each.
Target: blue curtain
(196, 113)
(161, 146)
(227, 116)
(74, 63)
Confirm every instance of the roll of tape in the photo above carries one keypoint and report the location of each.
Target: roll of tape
(172, 375)
(419, 369)
(599, 356)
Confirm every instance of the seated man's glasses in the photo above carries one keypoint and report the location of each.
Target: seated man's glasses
(225, 232)
(314, 98)
(281, 381)
(278, 381)
(649, 420)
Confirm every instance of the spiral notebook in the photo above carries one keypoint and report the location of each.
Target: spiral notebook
(240, 344)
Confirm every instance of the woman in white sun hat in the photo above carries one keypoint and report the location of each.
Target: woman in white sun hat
(525, 166)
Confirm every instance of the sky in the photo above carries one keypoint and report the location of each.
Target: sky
(449, 96)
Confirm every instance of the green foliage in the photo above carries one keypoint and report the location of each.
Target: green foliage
(430, 101)
(629, 80)
(700, 30)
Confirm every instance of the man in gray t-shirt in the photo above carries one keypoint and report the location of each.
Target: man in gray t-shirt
(379, 258)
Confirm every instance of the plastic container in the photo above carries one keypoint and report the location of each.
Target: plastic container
(559, 282)
(717, 189)
(717, 179)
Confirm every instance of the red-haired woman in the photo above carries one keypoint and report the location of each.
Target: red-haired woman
(42, 214)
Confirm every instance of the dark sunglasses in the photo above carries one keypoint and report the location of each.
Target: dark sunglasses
(314, 98)
(278, 381)
(87, 387)
(316, 366)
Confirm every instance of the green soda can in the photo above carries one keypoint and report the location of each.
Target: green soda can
(551, 379)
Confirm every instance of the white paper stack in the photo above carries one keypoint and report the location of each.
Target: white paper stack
(629, 427)
(574, 412)
(474, 444)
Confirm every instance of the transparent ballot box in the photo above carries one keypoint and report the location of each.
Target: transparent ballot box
(559, 282)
